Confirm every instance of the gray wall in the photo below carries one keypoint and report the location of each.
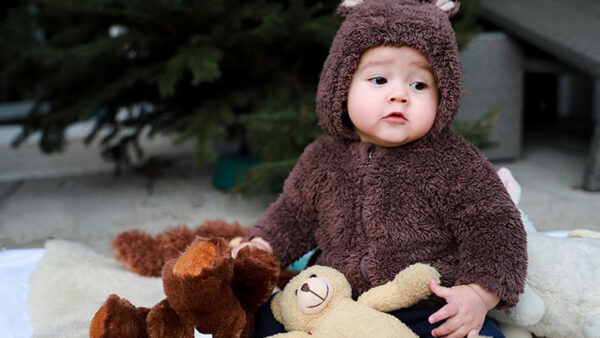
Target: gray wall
(493, 78)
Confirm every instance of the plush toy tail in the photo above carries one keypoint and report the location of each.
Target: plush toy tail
(146, 255)
(218, 228)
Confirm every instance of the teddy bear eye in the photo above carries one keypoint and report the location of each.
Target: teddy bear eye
(313, 276)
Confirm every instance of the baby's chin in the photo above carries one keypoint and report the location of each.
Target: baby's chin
(390, 144)
(386, 139)
(383, 142)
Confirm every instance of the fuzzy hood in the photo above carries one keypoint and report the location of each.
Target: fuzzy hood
(371, 23)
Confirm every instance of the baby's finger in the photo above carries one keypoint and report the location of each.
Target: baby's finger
(449, 327)
(473, 333)
(459, 333)
(449, 310)
(439, 290)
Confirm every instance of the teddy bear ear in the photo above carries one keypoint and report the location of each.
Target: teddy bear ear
(276, 307)
(347, 6)
(450, 7)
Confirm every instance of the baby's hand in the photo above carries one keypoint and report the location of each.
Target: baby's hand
(256, 242)
(465, 311)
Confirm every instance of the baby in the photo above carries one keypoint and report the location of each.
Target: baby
(390, 184)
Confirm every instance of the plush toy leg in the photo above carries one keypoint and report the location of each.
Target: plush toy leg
(197, 285)
(163, 321)
(255, 276)
(119, 318)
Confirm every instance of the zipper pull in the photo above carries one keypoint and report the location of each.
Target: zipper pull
(370, 152)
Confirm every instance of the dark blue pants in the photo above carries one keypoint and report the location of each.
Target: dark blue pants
(416, 319)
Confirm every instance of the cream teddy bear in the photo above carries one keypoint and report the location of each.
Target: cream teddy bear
(318, 303)
(562, 297)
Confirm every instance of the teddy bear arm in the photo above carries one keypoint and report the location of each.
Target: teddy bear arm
(406, 289)
(375, 298)
(529, 309)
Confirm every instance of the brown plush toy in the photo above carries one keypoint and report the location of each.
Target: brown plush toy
(206, 289)
(146, 255)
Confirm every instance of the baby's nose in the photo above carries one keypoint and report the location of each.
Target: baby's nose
(398, 95)
(399, 99)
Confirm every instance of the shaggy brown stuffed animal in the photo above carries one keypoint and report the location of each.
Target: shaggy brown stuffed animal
(205, 287)
(146, 255)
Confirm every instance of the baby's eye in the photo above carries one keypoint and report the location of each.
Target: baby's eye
(378, 80)
(418, 85)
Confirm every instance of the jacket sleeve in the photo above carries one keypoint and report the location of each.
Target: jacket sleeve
(487, 225)
(290, 222)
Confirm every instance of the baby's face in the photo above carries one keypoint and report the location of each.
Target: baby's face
(393, 97)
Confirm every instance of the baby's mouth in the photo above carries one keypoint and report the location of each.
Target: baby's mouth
(396, 115)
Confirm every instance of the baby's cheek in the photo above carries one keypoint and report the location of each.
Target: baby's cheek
(358, 115)
(429, 117)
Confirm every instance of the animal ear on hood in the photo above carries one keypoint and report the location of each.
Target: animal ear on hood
(346, 6)
(451, 7)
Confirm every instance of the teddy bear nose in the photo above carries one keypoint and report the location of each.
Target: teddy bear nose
(305, 287)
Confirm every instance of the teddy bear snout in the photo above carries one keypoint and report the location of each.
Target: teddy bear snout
(313, 295)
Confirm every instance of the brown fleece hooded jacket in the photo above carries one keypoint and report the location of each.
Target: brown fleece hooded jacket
(373, 210)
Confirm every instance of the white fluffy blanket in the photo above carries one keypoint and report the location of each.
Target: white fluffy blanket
(72, 282)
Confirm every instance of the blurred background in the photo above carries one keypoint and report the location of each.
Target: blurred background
(148, 114)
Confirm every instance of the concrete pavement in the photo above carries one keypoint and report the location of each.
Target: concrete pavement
(92, 205)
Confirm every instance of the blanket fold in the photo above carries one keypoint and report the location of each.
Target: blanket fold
(72, 281)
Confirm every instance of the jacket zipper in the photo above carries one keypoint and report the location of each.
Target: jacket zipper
(370, 152)
(363, 270)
